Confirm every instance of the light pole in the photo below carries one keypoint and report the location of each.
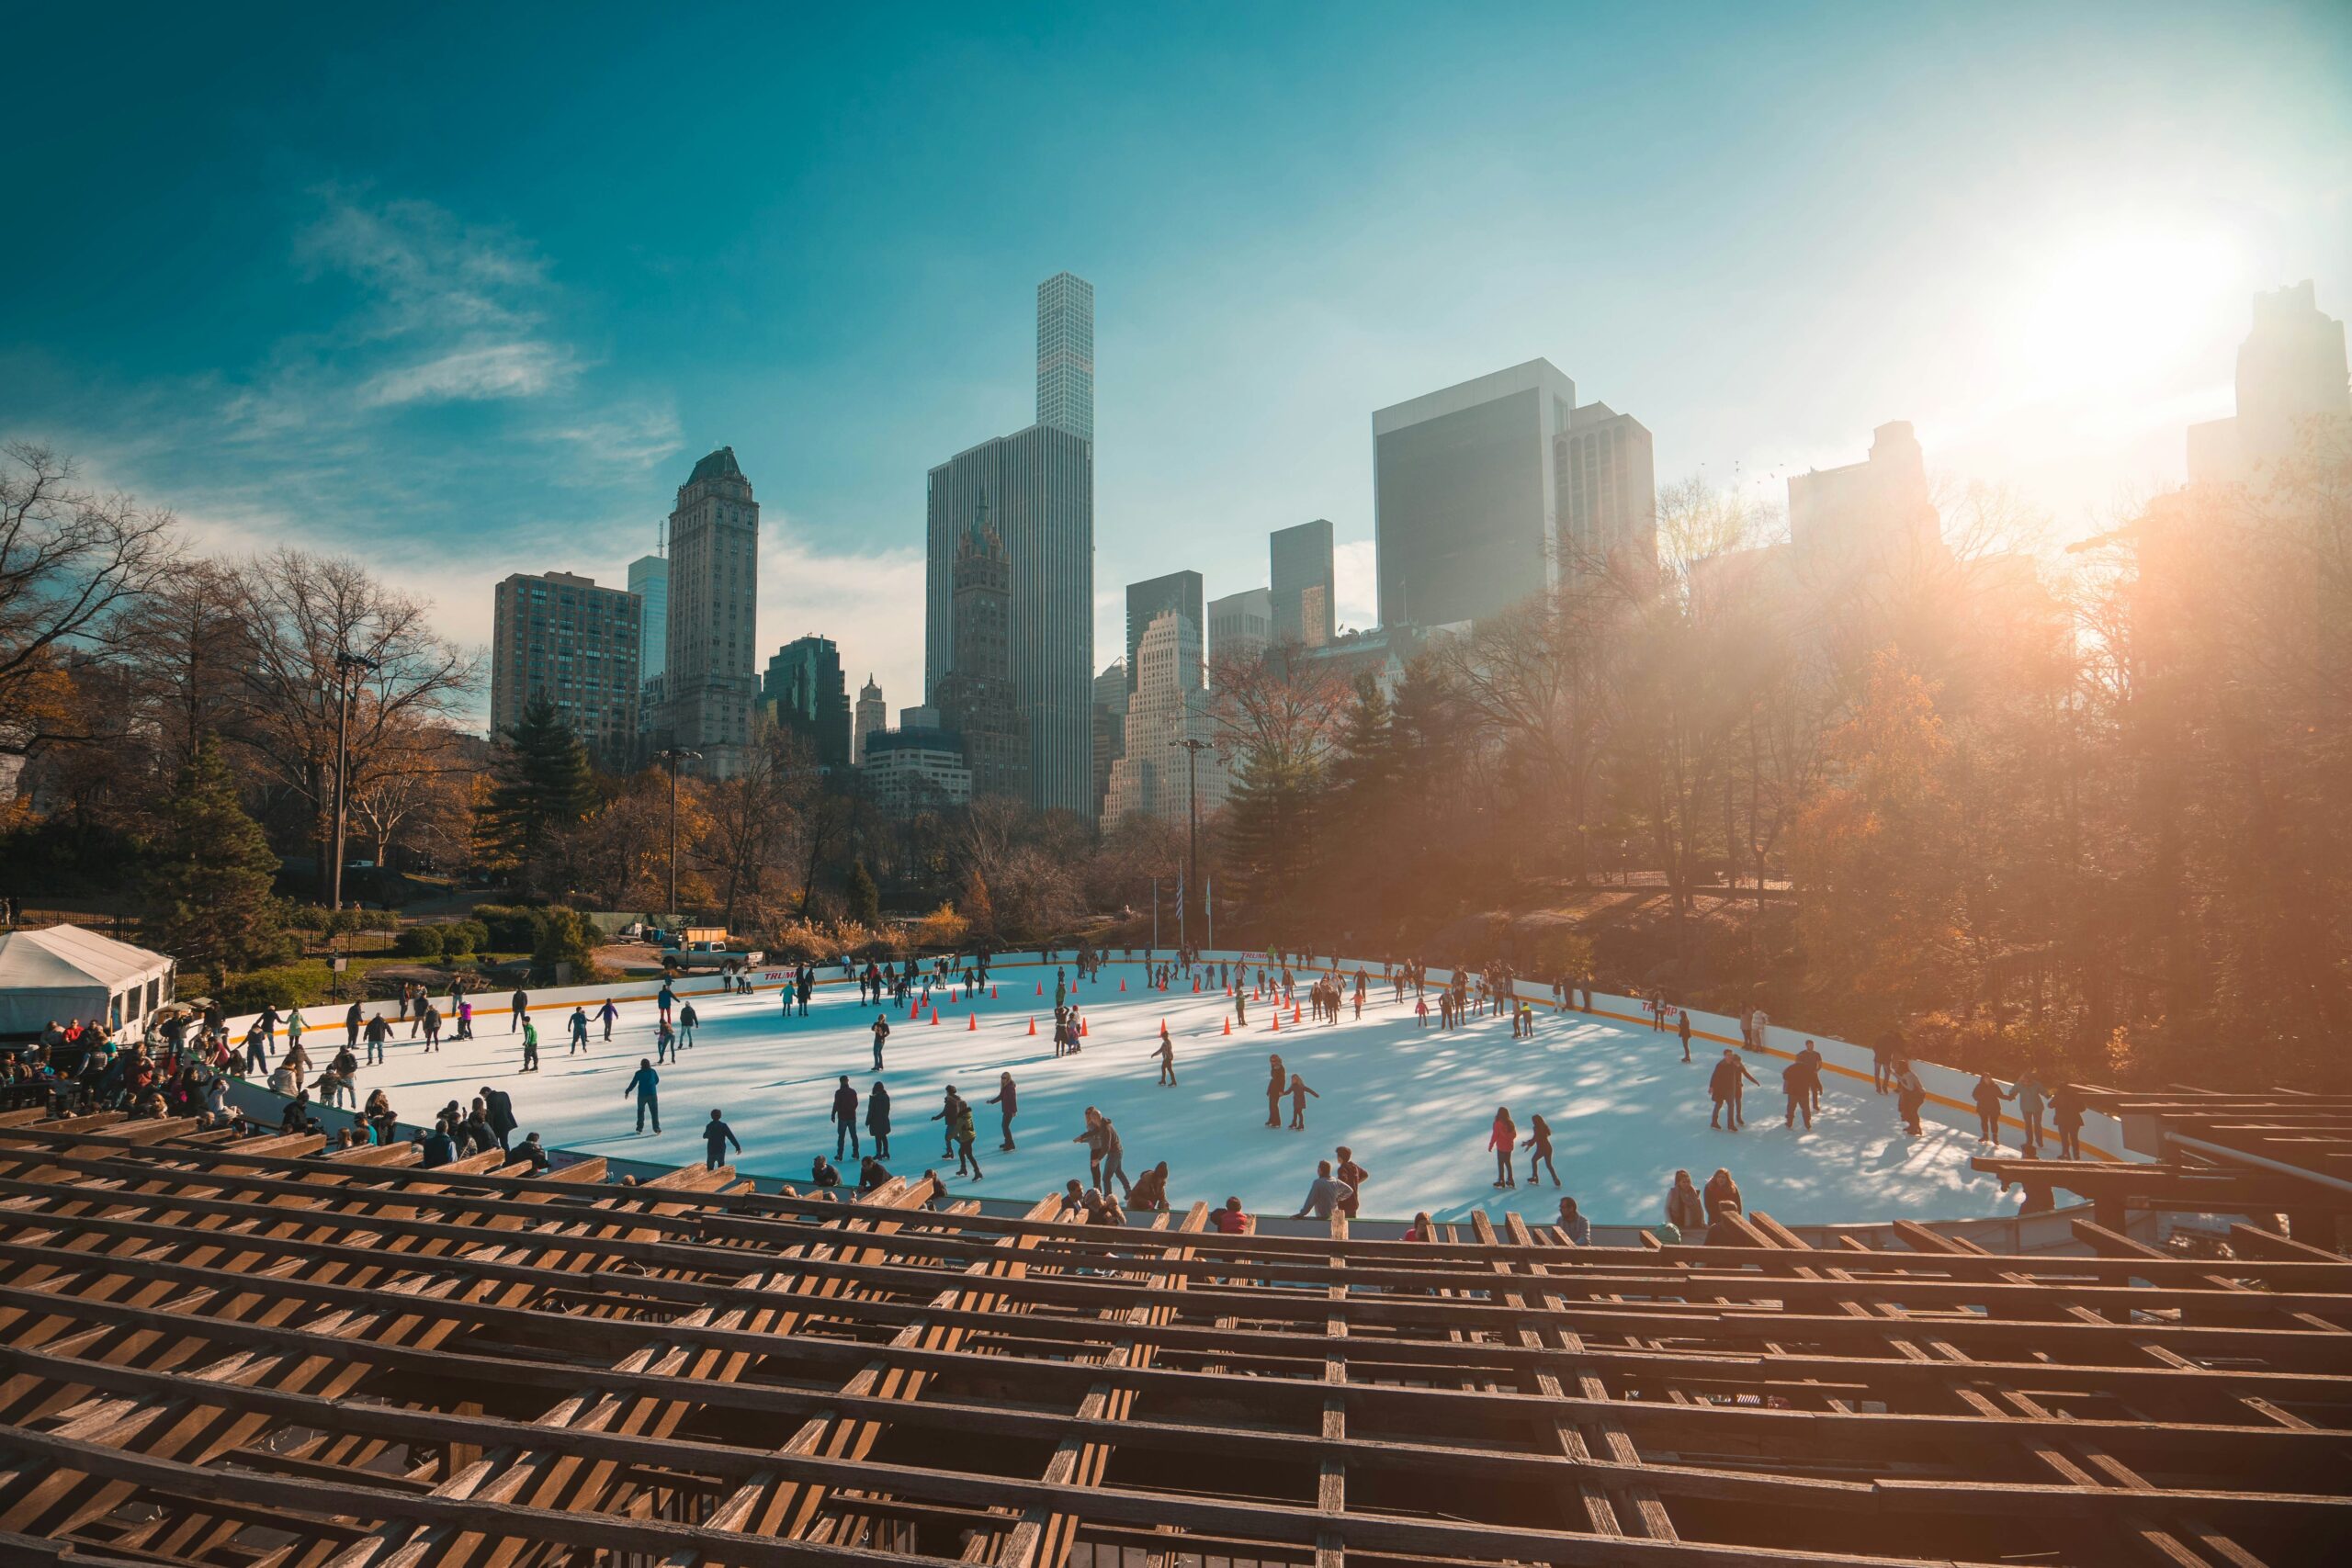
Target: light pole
(346, 664)
(673, 755)
(1193, 749)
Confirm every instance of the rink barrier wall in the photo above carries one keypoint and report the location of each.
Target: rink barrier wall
(1947, 1087)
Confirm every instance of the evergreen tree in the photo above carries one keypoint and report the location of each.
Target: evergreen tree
(563, 938)
(865, 898)
(209, 887)
(542, 786)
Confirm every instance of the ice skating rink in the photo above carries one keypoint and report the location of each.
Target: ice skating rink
(1414, 1104)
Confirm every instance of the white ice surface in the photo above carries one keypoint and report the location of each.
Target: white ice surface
(1415, 1105)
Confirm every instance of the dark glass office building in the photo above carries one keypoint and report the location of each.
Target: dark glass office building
(1302, 584)
(1463, 495)
(1037, 487)
(1179, 590)
(807, 692)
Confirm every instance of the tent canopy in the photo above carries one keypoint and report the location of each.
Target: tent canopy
(62, 972)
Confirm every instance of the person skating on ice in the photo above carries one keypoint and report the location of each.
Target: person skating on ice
(1503, 1139)
(1300, 1094)
(1279, 1081)
(877, 1118)
(717, 1135)
(1538, 1144)
(845, 1118)
(1007, 1100)
(645, 1085)
(1166, 1051)
(881, 1027)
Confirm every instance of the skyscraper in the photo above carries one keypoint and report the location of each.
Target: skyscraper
(975, 698)
(1462, 494)
(871, 715)
(1241, 625)
(709, 685)
(2290, 372)
(1066, 354)
(1607, 483)
(807, 695)
(1170, 705)
(649, 579)
(1178, 590)
(1039, 488)
(1302, 606)
(1109, 725)
(1038, 485)
(562, 637)
(1868, 514)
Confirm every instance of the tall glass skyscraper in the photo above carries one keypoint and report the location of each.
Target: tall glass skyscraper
(1463, 495)
(1037, 487)
(1148, 600)
(649, 579)
(1301, 608)
(1066, 354)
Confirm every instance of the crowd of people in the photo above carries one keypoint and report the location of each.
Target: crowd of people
(185, 1070)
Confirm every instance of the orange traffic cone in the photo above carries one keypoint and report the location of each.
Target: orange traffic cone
(971, 1021)
(1033, 1024)
(1278, 1022)
(1123, 985)
(934, 1015)
(1041, 988)
(1081, 1026)
(1294, 1012)
(991, 993)
(1228, 1026)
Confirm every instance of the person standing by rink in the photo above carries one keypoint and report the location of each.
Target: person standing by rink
(463, 1007)
(1167, 1053)
(716, 1137)
(1682, 1028)
(1274, 1086)
(1007, 1100)
(881, 1032)
(1353, 1174)
(646, 1084)
(350, 1022)
(844, 1119)
(519, 1005)
(807, 983)
(877, 1118)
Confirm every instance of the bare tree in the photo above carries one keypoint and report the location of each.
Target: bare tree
(69, 559)
(305, 610)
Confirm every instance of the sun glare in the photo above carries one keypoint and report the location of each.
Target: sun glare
(2120, 304)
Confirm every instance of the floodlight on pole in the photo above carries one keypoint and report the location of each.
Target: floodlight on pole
(347, 663)
(673, 755)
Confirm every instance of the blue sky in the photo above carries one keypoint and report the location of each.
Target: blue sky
(465, 290)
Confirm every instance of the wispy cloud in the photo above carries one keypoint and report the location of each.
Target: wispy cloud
(468, 375)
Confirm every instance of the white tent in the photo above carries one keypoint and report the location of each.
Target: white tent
(64, 971)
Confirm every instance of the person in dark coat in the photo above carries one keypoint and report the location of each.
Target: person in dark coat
(845, 1118)
(1007, 1100)
(716, 1137)
(499, 1107)
(877, 1118)
(822, 1174)
(1724, 1087)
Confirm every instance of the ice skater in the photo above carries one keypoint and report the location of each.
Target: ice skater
(1274, 1086)
(608, 1012)
(1504, 1141)
(845, 1118)
(1299, 1093)
(645, 1084)
(579, 1030)
(686, 1021)
(1007, 1100)
(967, 1163)
(716, 1137)
(530, 1047)
(1167, 1053)
(949, 1104)
(877, 1118)
(881, 1031)
(1538, 1144)
(1724, 1086)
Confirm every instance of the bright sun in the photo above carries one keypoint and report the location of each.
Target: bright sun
(2118, 305)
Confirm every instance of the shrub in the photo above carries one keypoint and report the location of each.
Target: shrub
(258, 988)
(511, 928)
(943, 930)
(419, 941)
(565, 937)
(476, 937)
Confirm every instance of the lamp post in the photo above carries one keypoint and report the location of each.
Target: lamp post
(673, 755)
(1193, 749)
(346, 664)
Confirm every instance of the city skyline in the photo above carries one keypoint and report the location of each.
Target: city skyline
(406, 349)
